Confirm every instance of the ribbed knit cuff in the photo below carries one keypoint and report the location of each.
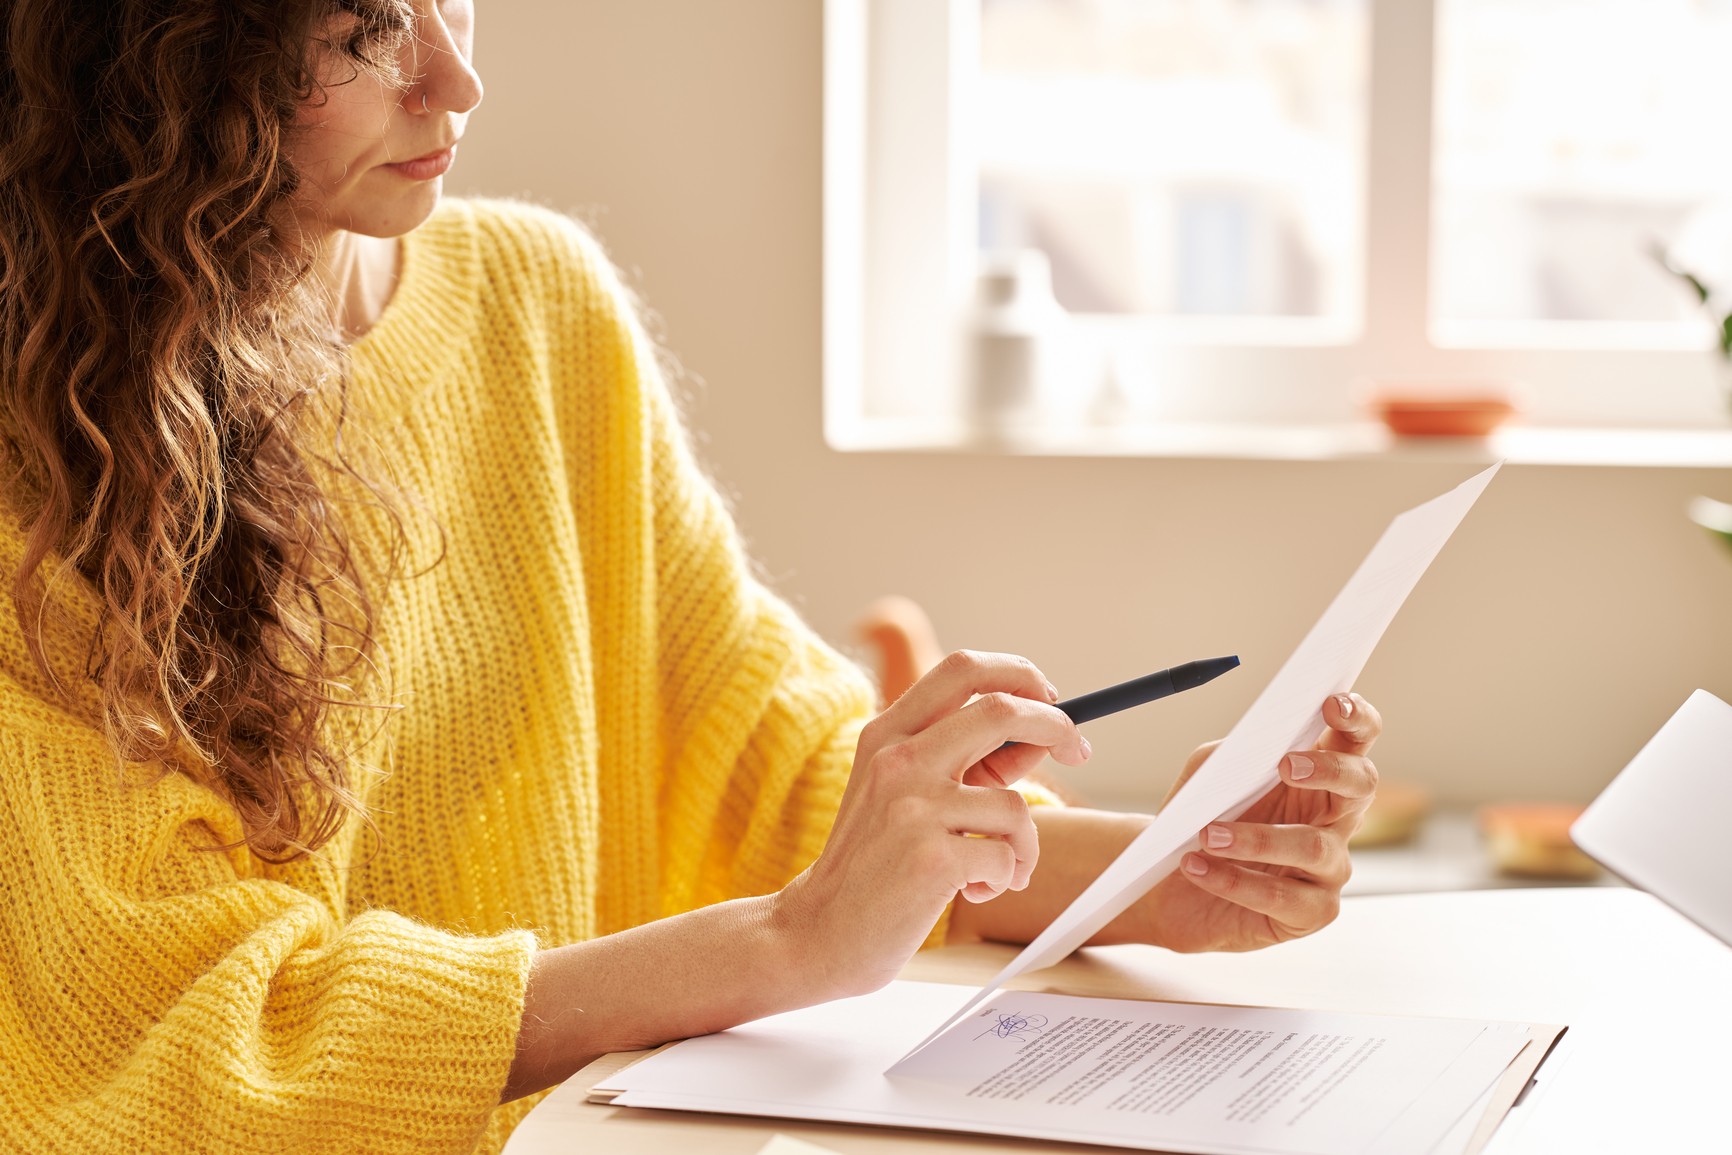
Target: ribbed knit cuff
(436, 1018)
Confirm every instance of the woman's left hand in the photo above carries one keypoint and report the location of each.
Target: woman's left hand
(1277, 872)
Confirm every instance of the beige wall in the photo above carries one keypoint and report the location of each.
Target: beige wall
(1573, 612)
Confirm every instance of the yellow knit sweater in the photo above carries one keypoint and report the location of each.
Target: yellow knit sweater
(605, 721)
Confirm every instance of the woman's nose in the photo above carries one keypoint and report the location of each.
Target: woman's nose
(445, 79)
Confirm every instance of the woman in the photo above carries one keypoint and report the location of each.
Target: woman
(388, 720)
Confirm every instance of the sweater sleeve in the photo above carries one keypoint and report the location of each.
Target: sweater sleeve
(160, 994)
(727, 726)
(755, 718)
(760, 716)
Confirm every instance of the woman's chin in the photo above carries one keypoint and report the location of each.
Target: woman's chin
(392, 216)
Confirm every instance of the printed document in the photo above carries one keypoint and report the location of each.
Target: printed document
(1121, 1072)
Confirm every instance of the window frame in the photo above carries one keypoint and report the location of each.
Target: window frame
(899, 261)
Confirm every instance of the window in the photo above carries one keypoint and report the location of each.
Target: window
(1559, 161)
(1252, 208)
(1091, 146)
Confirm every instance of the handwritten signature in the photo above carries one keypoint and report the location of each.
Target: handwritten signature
(1013, 1026)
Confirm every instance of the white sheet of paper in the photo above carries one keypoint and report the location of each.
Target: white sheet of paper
(1127, 1073)
(1661, 822)
(1460, 1135)
(1286, 716)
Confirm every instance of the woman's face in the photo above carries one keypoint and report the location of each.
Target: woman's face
(371, 153)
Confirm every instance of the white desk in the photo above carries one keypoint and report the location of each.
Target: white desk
(1646, 1066)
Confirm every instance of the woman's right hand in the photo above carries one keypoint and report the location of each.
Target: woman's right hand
(928, 772)
(927, 815)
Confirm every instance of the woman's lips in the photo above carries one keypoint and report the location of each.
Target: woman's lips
(434, 164)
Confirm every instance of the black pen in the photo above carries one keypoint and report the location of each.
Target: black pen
(1148, 688)
(1161, 683)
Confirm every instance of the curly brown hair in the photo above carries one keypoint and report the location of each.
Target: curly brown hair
(165, 359)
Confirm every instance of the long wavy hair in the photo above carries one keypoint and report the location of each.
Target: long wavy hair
(164, 353)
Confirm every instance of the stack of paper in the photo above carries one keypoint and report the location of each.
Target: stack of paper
(1144, 1075)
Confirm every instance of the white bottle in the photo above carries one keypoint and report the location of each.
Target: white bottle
(1018, 334)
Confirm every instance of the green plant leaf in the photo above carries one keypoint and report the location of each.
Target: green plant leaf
(1713, 516)
(1658, 252)
(1726, 335)
(1722, 536)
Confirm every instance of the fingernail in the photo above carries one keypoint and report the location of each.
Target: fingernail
(1299, 767)
(1196, 864)
(1219, 836)
(1051, 692)
(1345, 705)
(1088, 751)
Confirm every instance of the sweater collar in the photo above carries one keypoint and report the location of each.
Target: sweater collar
(418, 336)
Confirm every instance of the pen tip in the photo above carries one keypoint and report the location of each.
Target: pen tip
(1203, 670)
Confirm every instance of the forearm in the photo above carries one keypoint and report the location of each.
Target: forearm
(1076, 844)
(688, 975)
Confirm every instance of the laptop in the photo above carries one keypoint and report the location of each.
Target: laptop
(1665, 823)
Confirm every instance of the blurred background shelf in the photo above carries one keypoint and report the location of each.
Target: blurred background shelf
(1447, 854)
(1333, 441)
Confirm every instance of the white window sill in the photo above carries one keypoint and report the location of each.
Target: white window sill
(1708, 448)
